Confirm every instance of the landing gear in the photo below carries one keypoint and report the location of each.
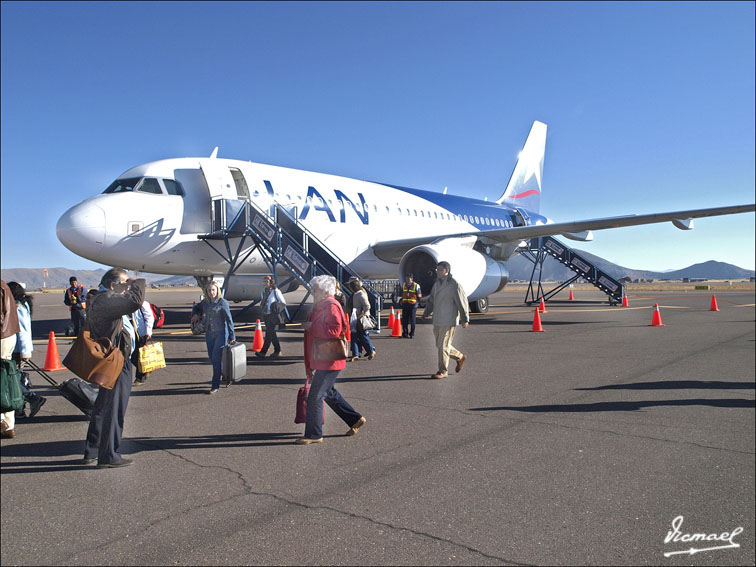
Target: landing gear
(479, 306)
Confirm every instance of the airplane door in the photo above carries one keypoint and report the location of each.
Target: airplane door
(219, 180)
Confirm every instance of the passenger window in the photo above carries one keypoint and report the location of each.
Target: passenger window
(242, 191)
(172, 187)
(150, 185)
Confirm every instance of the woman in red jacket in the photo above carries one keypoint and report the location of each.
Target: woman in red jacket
(326, 320)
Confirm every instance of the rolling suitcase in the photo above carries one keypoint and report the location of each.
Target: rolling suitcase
(234, 362)
(75, 390)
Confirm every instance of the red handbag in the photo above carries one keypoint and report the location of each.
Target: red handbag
(301, 415)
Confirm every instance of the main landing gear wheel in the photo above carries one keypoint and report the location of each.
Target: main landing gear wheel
(479, 306)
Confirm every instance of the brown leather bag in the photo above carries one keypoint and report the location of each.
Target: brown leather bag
(95, 361)
(331, 349)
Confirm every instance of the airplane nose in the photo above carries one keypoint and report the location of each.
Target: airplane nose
(81, 229)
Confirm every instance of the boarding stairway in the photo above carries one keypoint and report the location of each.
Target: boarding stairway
(539, 248)
(281, 241)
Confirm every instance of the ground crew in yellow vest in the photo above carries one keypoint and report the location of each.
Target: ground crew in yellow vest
(410, 294)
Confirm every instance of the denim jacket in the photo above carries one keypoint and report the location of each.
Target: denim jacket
(217, 317)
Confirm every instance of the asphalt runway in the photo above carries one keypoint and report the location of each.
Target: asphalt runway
(580, 445)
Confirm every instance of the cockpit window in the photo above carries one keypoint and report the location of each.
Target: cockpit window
(150, 185)
(121, 185)
(173, 187)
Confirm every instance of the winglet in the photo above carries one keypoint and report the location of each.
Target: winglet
(524, 188)
(215, 153)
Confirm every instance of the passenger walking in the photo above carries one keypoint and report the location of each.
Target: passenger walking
(410, 295)
(144, 319)
(360, 307)
(273, 304)
(219, 328)
(9, 328)
(109, 308)
(448, 304)
(24, 346)
(328, 321)
(340, 297)
(76, 299)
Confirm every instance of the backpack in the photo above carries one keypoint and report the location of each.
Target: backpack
(159, 315)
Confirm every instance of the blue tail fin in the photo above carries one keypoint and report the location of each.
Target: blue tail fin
(524, 188)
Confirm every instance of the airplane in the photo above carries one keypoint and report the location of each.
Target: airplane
(150, 217)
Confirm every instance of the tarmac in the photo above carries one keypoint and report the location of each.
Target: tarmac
(581, 445)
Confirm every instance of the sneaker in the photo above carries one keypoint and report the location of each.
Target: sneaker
(35, 404)
(7, 432)
(124, 462)
(213, 391)
(307, 441)
(371, 356)
(356, 426)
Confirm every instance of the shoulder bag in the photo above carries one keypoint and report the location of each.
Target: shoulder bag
(11, 397)
(98, 362)
(331, 349)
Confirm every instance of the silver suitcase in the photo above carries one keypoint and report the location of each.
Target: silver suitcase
(234, 363)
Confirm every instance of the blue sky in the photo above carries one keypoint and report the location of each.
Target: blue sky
(650, 106)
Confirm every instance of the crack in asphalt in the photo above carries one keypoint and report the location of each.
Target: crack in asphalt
(248, 490)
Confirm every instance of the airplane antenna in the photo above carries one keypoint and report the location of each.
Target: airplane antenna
(445, 189)
(215, 153)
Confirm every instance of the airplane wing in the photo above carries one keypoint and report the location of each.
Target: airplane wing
(392, 251)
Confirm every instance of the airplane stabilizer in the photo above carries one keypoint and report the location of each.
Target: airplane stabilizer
(524, 188)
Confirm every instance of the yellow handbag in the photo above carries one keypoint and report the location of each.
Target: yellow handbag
(151, 357)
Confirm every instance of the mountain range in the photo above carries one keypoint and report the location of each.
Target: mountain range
(520, 268)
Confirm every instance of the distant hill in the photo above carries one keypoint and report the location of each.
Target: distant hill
(34, 278)
(520, 268)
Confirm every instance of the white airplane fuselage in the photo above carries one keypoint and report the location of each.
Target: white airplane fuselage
(157, 233)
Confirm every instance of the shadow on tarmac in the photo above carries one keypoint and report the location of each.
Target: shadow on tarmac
(131, 446)
(625, 406)
(679, 384)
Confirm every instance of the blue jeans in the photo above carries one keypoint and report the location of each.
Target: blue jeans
(361, 340)
(321, 388)
(215, 343)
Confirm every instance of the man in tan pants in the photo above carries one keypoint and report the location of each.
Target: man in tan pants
(448, 304)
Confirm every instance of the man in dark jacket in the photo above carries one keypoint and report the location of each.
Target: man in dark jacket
(76, 299)
(109, 307)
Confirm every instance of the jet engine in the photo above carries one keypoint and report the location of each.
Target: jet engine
(479, 275)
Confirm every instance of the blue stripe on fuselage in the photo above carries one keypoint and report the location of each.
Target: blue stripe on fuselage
(462, 206)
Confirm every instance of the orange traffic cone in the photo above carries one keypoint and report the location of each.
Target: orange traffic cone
(542, 307)
(572, 297)
(625, 303)
(391, 319)
(656, 320)
(52, 359)
(537, 323)
(396, 331)
(714, 306)
(257, 342)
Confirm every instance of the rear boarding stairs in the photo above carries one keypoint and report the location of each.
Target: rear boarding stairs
(539, 248)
